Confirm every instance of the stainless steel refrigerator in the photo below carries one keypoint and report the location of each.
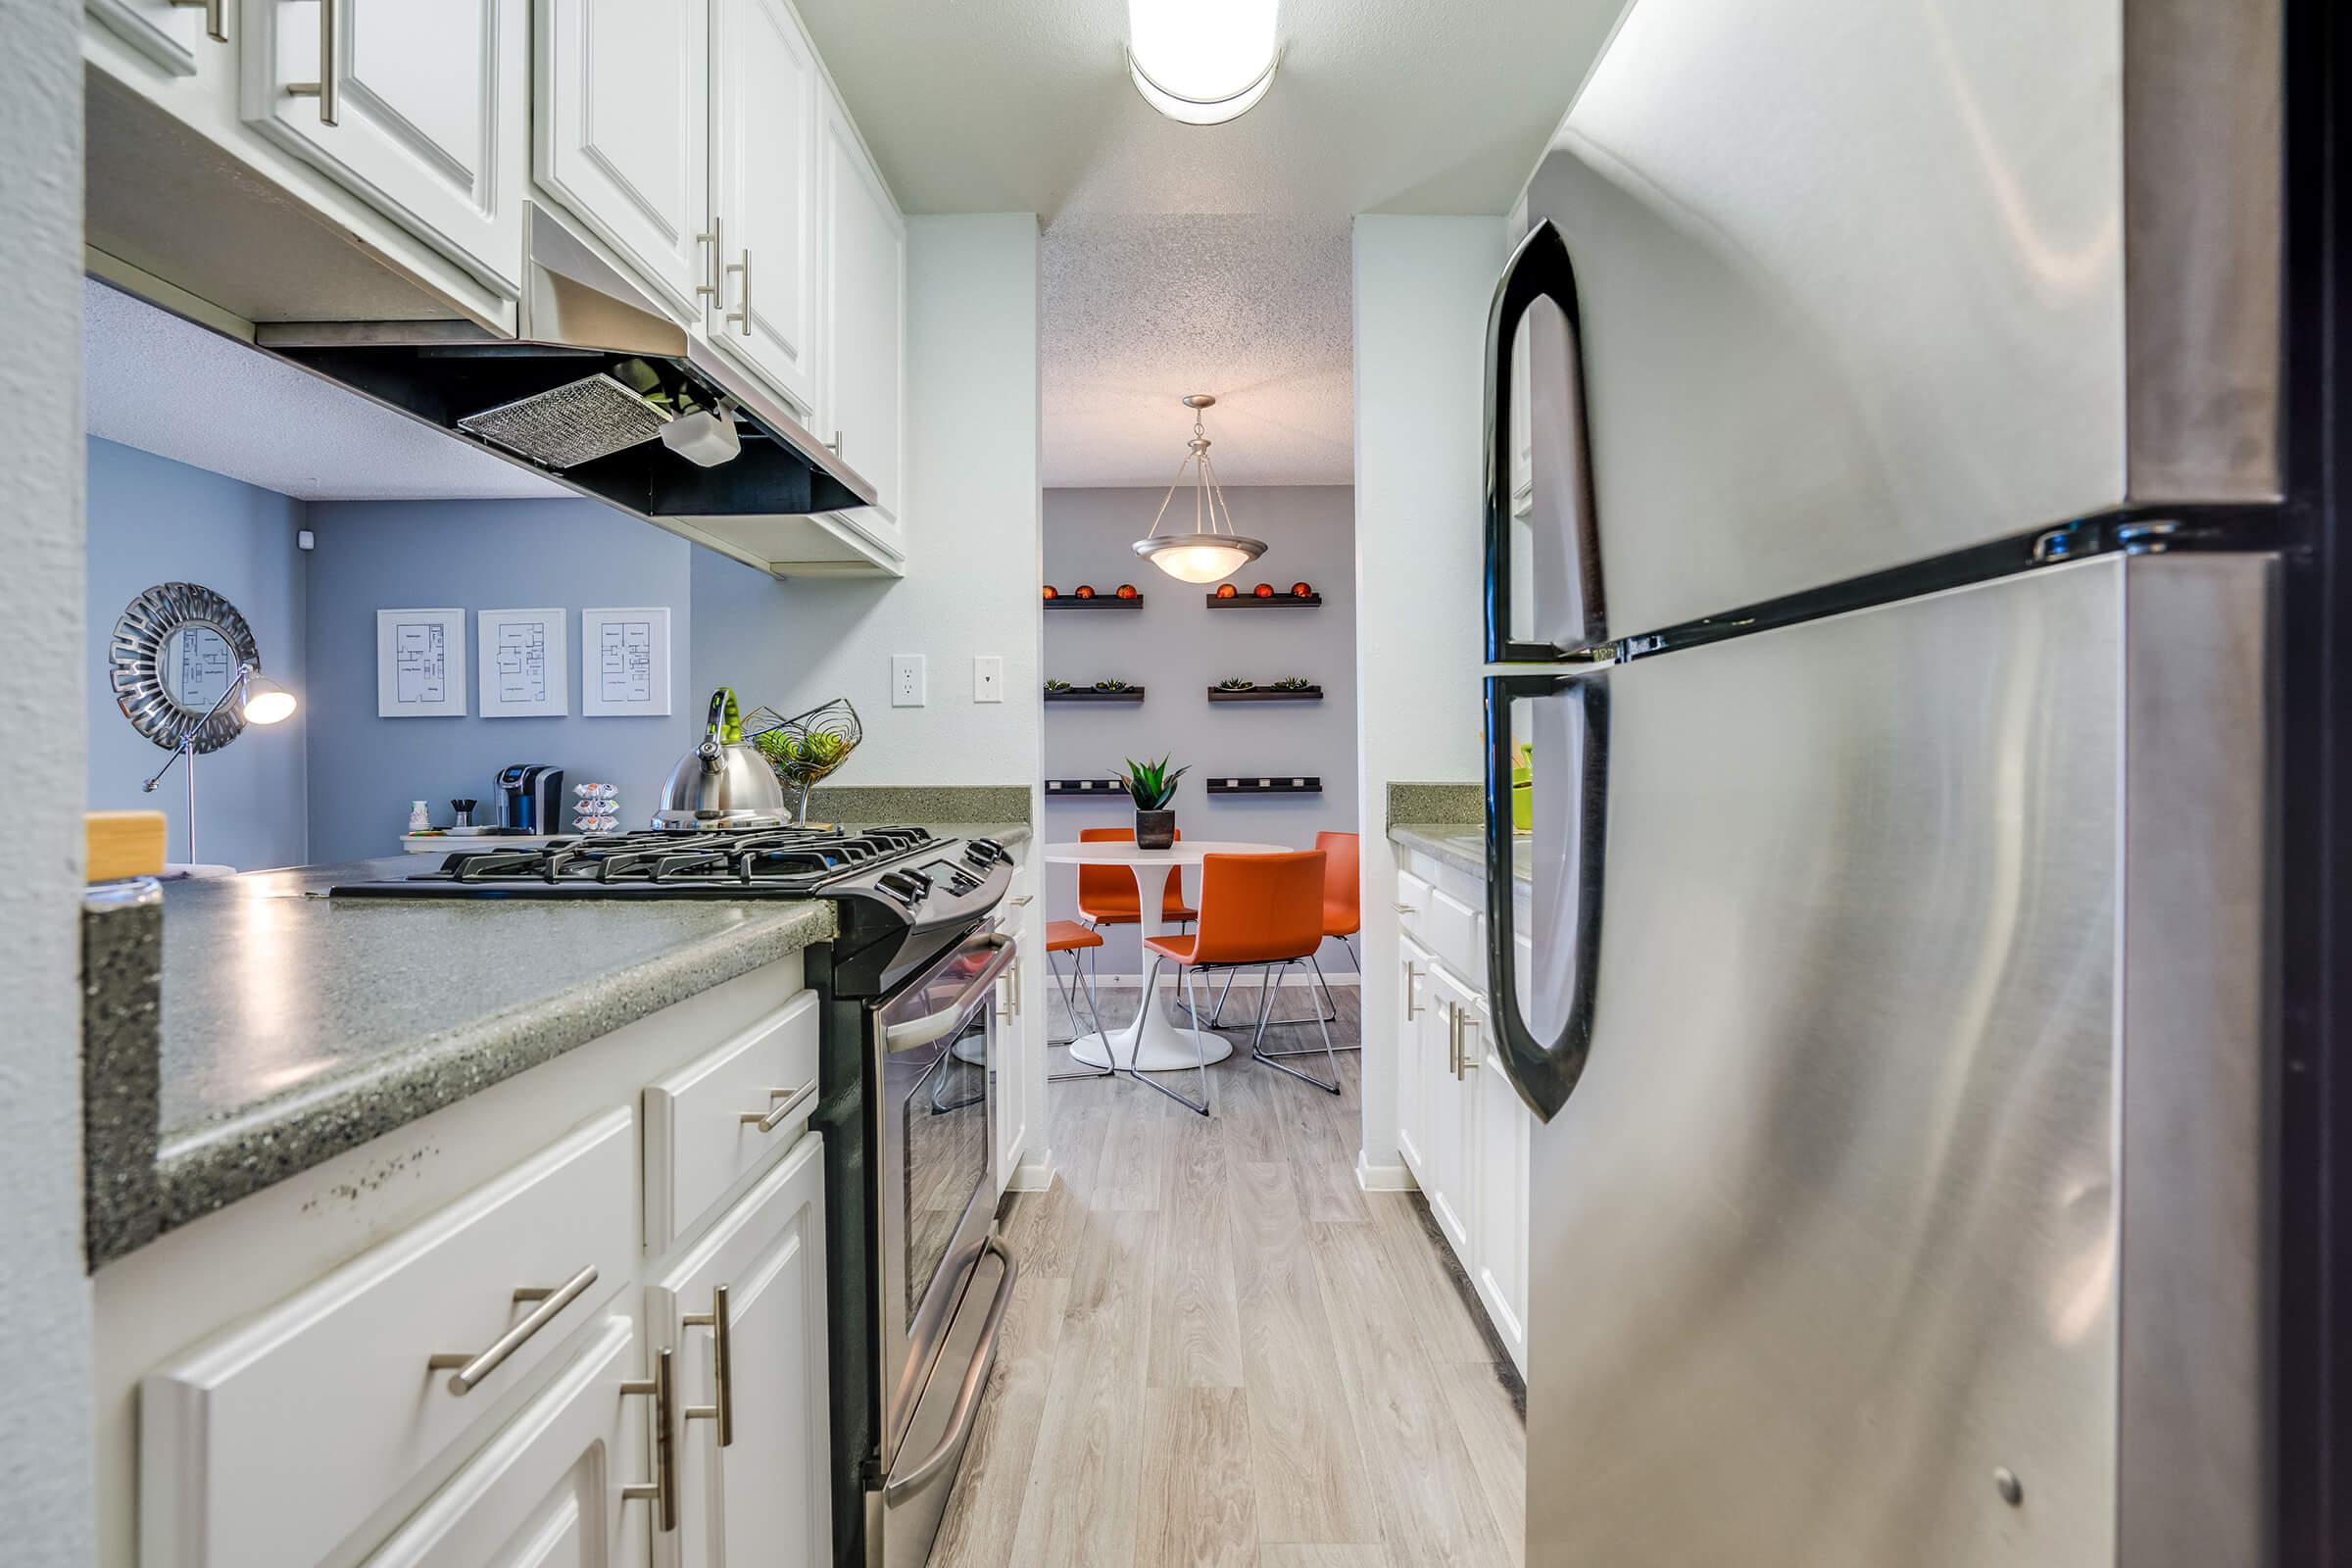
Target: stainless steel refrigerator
(1883, 413)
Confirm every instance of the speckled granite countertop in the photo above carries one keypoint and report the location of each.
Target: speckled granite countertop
(280, 1028)
(1462, 847)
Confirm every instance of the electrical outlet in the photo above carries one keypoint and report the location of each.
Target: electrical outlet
(905, 680)
(987, 678)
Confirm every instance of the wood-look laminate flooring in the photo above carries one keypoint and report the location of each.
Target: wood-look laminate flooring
(1223, 1353)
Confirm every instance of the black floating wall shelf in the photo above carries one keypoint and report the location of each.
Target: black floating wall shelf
(1252, 602)
(1266, 694)
(1108, 788)
(1099, 602)
(1270, 784)
(1087, 693)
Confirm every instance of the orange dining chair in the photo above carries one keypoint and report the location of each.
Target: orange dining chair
(1342, 918)
(1256, 911)
(1083, 943)
(1111, 895)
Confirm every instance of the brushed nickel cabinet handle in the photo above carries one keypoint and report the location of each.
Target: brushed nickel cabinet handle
(717, 246)
(216, 18)
(742, 314)
(1412, 1008)
(1407, 908)
(323, 89)
(663, 1490)
(472, 1368)
(834, 446)
(789, 1101)
(722, 1365)
(1465, 1055)
(1453, 1039)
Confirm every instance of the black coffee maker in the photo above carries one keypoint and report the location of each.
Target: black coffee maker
(530, 797)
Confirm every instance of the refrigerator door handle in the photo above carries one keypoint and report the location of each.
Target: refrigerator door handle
(1545, 1071)
(1538, 270)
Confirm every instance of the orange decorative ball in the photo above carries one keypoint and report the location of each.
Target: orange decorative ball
(1085, 592)
(1264, 590)
(1127, 591)
(1053, 592)
(1225, 590)
(1299, 590)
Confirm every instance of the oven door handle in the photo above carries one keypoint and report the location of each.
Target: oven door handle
(939, 1025)
(967, 1394)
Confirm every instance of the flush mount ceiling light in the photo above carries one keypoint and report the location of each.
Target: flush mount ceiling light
(1212, 550)
(1202, 62)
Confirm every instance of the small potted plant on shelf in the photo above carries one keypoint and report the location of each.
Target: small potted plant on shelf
(1235, 684)
(1114, 684)
(1152, 786)
(1056, 686)
(1293, 683)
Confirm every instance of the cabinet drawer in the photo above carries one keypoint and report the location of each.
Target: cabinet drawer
(697, 1143)
(546, 1491)
(1450, 930)
(271, 1445)
(1413, 907)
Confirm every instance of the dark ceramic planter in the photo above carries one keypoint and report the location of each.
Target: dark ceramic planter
(1154, 830)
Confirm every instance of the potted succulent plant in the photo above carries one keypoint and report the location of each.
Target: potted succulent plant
(1152, 786)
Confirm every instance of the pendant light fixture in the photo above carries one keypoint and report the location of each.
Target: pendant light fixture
(1202, 62)
(1212, 550)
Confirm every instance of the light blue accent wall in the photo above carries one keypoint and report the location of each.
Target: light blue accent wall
(154, 520)
(1175, 647)
(478, 555)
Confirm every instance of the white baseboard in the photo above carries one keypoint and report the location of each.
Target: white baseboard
(1033, 1173)
(1383, 1178)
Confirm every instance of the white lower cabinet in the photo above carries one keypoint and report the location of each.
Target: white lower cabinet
(272, 1444)
(547, 1490)
(1461, 1127)
(1500, 1187)
(421, 108)
(744, 1314)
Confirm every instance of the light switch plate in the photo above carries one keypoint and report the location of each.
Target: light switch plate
(987, 678)
(905, 680)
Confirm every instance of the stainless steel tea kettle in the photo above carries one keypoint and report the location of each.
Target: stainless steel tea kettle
(724, 782)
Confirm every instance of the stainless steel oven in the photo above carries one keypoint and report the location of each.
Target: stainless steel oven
(944, 1279)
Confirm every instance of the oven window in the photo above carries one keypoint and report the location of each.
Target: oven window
(945, 1120)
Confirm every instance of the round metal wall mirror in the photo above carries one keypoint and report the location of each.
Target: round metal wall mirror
(175, 653)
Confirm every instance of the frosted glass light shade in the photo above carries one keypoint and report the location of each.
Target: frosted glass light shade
(270, 707)
(1202, 62)
(1200, 556)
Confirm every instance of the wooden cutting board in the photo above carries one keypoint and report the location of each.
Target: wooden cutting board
(120, 844)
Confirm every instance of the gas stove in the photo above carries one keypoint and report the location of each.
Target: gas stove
(900, 893)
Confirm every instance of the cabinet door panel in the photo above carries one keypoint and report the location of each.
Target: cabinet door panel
(167, 34)
(864, 277)
(429, 104)
(623, 131)
(1415, 1001)
(1499, 1156)
(767, 1497)
(545, 1492)
(1449, 1102)
(764, 147)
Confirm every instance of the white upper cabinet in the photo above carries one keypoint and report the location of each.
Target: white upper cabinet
(622, 139)
(421, 107)
(861, 408)
(766, 86)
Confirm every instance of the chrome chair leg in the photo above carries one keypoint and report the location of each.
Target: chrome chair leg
(1094, 1010)
(1200, 1043)
(1259, 1052)
(1329, 1010)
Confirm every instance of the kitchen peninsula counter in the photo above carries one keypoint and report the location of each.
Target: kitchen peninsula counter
(283, 1028)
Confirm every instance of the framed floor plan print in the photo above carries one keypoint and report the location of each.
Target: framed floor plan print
(524, 673)
(420, 664)
(624, 662)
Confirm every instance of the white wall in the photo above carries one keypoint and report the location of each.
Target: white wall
(1422, 288)
(45, 1496)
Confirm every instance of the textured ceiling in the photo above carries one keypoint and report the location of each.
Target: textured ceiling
(1140, 311)
(154, 381)
(1390, 105)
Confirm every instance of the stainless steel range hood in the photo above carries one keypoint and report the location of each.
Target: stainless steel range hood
(582, 392)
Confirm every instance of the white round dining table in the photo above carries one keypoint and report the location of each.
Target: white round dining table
(1153, 1042)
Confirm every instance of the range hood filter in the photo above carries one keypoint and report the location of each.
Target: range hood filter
(571, 424)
